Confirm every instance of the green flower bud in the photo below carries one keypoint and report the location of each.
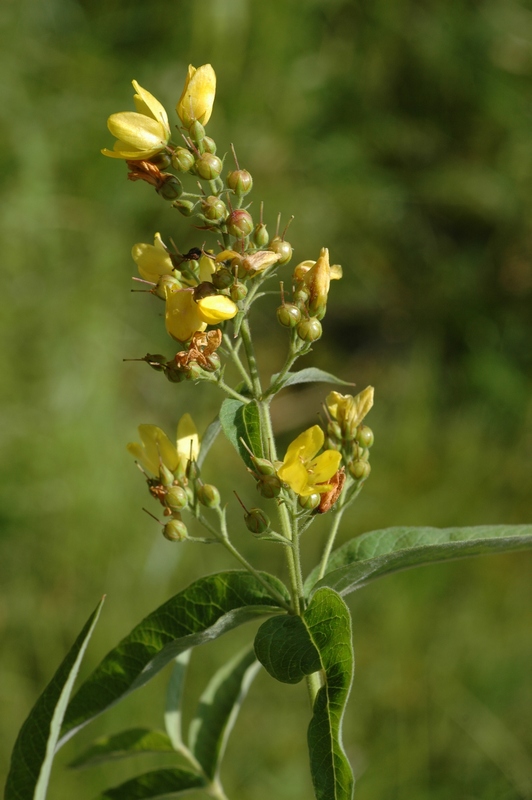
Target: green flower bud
(309, 502)
(260, 235)
(359, 470)
(223, 278)
(263, 466)
(165, 476)
(209, 145)
(194, 372)
(240, 181)
(182, 159)
(196, 132)
(309, 330)
(334, 431)
(193, 471)
(176, 498)
(269, 486)
(278, 245)
(288, 315)
(208, 166)
(161, 160)
(365, 436)
(214, 208)
(238, 291)
(174, 375)
(301, 297)
(171, 188)
(165, 285)
(185, 207)
(175, 530)
(209, 496)
(239, 223)
(213, 362)
(257, 521)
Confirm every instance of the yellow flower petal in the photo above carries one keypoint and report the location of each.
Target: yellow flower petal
(183, 316)
(155, 447)
(138, 131)
(152, 261)
(187, 438)
(324, 466)
(306, 445)
(295, 475)
(207, 268)
(216, 308)
(197, 99)
(147, 104)
(303, 472)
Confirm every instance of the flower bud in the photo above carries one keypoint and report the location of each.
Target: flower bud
(260, 235)
(162, 161)
(309, 502)
(359, 470)
(208, 166)
(269, 486)
(257, 521)
(182, 159)
(209, 145)
(165, 475)
(197, 99)
(185, 207)
(301, 295)
(263, 466)
(196, 132)
(334, 431)
(239, 223)
(193, 471)
(309, 330)
(238, 291)
(212, 362)
(318, 280)
(214, 208)
(223, 278)
(175, 530)
(365, 436)
(176, 498)
(288, 315)
(240, 181)
(171, 188)
(209, 496)
(174, 375)
(166, 285)
(278, 245)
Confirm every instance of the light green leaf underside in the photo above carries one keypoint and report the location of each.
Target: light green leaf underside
(309, 375)
(123, 744)
(241, 421)
(208, 439)
(160, 783)
(290, 647)
(174, 697)
(203, 611)
(35, 746)
(218, 709)
(389, 550)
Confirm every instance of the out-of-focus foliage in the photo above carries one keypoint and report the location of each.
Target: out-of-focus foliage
(399, 133)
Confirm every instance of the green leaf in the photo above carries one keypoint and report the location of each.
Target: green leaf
(308, 375)
(208, 439)
(159, 783)
(33, 754)
(218, 709)
(123, 744)
(290, 647)
(174, 697)
(383, 552)
(241, 421)
(203, 611)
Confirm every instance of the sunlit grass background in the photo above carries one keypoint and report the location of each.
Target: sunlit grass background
(399, 134)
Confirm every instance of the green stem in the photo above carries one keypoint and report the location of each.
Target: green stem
(293, 355)
(233, 352)
(252, 361)
(330, 542)
(231, 392)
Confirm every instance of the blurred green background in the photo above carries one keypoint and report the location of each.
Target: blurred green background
(398, 133)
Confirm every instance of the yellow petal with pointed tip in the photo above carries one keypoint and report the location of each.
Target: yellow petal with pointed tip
(138, 131)
(187, 438)
(183, 315)
(152, 261)
(216, 308)
(155, 447)
(207, 268)
(147, 104)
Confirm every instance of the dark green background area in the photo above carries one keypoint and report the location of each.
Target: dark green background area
(399, 134)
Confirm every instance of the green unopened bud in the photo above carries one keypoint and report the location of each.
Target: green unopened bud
(269, 486)
(185, 207)
(278, 245)
(166, 285)
(212, 362)
(161, 160)
(309, 330)
(182, 159)
(365, 436)
(213, 208)
(156, 361)
(174, 375)
(260, 235)
(301, 297)
(165, 475)
(196, 132)
(209, 145)
(208, 166)
(334, 431)
(257, 521)
(194, 372)
(238, 291)
(175, 530)
(171, 188)
(263, 466)
(240, 181)
(209, 496)
(359, 470)
(239, 223)
(176, 498)
(193, 471)
(309, 502)
(288, 315)
(223, 278)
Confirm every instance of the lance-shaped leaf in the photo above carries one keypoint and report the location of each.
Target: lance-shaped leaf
(174, 697)
(121, 745)
(291, 647)
(241, 421)
(159, 783)
(208, 439)
(382, 552)
(218, 709)
(203, 611)
(308, 375)
(33, 754)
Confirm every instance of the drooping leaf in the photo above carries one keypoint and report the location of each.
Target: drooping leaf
(31, 761)
(382, 552)
(218, 709)
(308, 375)
(208, 439)
(203, 611)
(123, 744)
(174, 697)
(290, 647)
(159, 783)
(241, 421)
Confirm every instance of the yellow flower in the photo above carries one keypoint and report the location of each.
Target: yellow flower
(197, 99)
(185, 316)
(140, 134)
(348, 410)
(302, 269)
(152, 260)
(302, 470)
(156, 447)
